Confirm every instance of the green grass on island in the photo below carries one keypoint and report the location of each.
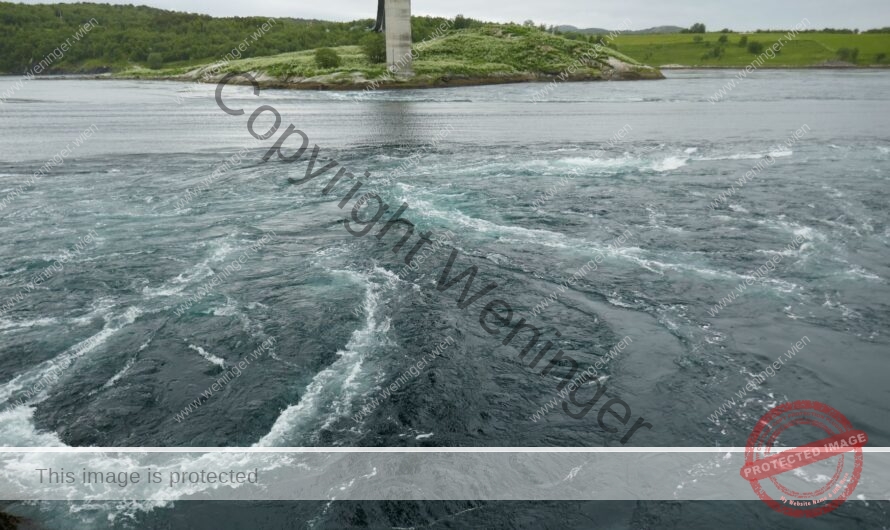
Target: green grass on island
(488, 54)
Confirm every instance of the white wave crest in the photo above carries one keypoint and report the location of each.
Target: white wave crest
(213, 359)
(333, 390)
(669, 164)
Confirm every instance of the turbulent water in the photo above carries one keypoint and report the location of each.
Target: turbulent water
(634, 177)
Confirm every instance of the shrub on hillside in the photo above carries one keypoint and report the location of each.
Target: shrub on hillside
(155, 60)
(755, 47)
(327, 58)
(374, 47)
(743, 41)
(848, 54)
(714, 53)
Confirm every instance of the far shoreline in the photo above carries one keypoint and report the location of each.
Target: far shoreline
(544, 77)
(451, 82)
(419, 83)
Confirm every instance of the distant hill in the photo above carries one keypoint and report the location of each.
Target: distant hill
(601, 31)
(657, 30)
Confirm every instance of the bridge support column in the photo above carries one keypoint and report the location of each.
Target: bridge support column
(398, 37)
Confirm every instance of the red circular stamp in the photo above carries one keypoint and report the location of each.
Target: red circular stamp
(832, 474)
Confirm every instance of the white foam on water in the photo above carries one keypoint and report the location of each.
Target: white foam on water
(669, 164)
(660, 267)
(18, 430)
(786, 252)
(599, 163)
(806, 232)
(333, 390)
(25, 324)
(213, 359)
(196, 273)
(846, 312)
(176, 285)
(782, 153)
(118, 376)
(554, 167)
(37, 380)
(542, 237)
(776, 153)
(230, 309)
(782, 285)
(858, 272)
(618, 302)
(390, 276)
(556, 240)
(737, 156)
(11, 274)
(100, 308)
(565, 149)
(796, 229)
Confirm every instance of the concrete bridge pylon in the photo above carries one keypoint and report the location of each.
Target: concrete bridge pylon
(398, 37)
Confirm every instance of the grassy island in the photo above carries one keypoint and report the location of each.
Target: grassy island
(485, 55)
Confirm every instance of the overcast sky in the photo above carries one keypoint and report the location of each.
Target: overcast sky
(609, 14)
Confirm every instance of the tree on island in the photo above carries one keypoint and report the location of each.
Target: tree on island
(462, 22)
(698, 27)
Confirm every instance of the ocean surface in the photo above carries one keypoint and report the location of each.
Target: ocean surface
(147, 309)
